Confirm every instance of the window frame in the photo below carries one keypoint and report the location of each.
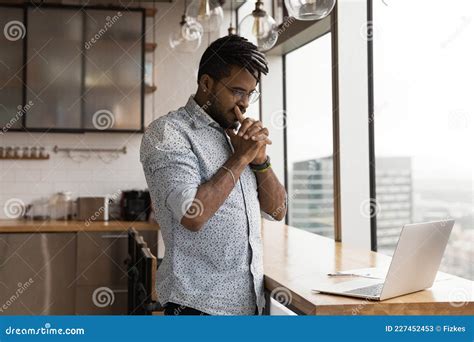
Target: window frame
(335, 122)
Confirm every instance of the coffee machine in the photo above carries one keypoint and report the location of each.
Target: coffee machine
(136, 205)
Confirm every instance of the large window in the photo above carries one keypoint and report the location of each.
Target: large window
(309, 137)
(423, 111)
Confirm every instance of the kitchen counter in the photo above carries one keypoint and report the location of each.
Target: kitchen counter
(51, 226)
(64, 264)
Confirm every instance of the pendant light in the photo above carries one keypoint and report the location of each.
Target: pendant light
(208, 13)
(309, 9)
(187, 38)
(231, 30)
(259, 28)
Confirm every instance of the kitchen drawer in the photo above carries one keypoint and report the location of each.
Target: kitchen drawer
(37, 273)
(101, 257)
(101, 300)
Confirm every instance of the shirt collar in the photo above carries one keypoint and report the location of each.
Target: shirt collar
(199, 115)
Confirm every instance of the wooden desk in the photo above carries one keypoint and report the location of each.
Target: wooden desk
(296, 261)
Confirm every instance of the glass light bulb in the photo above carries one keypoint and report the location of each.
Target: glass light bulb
(309, 9)
(208, 13)
(192, 30)
(259, 30)
(187, 38)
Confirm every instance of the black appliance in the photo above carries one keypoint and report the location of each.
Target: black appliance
(136, 205)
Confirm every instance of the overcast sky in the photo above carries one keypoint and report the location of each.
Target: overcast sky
(424, 88)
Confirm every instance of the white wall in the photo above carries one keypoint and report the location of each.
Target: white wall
(353, 123)
(175, 77)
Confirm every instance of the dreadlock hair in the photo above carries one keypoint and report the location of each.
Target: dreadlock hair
(232, 50)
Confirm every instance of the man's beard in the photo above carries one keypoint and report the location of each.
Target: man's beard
(217, 115)
(235, 125)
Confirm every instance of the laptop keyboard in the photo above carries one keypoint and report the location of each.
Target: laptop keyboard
(373, 290)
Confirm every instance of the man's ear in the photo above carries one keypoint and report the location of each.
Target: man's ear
(205, 83)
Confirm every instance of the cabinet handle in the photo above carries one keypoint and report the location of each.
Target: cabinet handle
(114, 236)
(120, 290)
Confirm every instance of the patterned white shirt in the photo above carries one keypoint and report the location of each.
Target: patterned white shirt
(219, 269)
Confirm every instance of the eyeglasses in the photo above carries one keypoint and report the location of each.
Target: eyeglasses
(240, 94)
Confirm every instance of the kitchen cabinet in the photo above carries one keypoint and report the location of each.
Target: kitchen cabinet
(66, 273)
(101, 272)
(37, 273)
(11, 75)
(54, 68)
(113, 71)
(79, 68)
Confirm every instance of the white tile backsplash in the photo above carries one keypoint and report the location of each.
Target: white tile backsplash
(33, 179)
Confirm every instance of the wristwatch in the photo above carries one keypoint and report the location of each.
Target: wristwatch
(261, 167)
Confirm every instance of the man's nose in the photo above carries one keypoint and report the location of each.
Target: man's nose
(243, 103)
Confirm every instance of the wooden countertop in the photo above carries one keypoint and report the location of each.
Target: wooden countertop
(296, 260)
(30, 226)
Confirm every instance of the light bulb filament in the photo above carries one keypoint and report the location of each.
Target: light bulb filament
(204, 9)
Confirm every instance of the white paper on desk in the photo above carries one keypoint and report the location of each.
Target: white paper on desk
(381, 273)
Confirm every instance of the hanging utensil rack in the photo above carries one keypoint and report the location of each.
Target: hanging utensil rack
(57, 149)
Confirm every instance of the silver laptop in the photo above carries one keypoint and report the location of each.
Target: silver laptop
(413, 268)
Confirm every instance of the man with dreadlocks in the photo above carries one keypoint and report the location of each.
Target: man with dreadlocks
(210, 181)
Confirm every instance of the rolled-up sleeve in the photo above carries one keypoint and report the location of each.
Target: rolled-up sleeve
(170, 166)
